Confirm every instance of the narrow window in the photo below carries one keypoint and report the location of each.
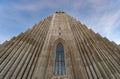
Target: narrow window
(60, 62)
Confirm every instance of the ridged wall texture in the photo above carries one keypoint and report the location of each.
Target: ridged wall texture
(32, 54)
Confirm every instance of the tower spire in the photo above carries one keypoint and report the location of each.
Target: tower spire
(59, 47)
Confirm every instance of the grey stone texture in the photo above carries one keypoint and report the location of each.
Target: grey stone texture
(31, 55)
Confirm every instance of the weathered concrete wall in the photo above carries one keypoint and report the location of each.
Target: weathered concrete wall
(31, 55)
(19, 56)
(59, 32)
(100, 56)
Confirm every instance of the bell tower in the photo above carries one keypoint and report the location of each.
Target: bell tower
(59, 47)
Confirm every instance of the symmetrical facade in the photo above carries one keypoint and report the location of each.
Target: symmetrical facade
(59, 47)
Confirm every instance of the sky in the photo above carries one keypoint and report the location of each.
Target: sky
(103, 16)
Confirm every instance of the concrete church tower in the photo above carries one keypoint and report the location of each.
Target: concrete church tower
(59, 47)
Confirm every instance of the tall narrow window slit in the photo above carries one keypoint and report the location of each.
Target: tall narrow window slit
(60, 62)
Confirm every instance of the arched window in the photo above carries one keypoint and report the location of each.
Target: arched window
(60, 62)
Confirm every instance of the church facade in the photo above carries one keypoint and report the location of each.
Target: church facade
(59, 47)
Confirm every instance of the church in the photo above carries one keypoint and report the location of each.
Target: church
(59, 47)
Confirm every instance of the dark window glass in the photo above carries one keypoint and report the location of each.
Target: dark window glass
(59, 62)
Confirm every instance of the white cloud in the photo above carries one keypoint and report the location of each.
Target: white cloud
(108, 21)
(102, 14)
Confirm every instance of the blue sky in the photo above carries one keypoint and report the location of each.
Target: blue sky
(103, 16)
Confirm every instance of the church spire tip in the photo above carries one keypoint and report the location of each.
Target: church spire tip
(59, 11)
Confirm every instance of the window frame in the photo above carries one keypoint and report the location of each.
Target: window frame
(59, 60)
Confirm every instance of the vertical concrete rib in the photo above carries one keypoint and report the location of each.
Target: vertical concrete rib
(87, 54)
(17, 59)
(86, 42)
